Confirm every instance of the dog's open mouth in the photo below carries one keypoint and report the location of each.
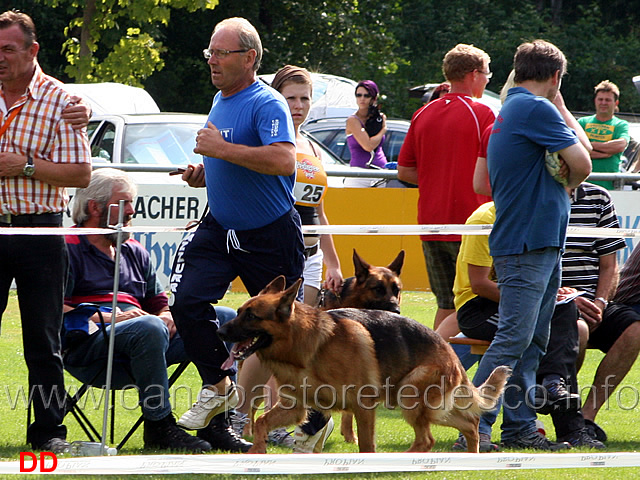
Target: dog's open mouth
(243, 349)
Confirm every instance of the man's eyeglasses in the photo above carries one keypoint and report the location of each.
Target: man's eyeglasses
(488, 74)
(365, 95)
(219, 53)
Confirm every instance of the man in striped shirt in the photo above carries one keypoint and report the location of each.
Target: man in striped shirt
(40, 154)
(590, 265)
(629, 287)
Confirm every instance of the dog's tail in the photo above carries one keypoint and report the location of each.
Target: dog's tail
(474, 400)
(489, 392)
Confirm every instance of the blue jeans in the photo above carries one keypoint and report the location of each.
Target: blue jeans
(528, 285)
(142, 352)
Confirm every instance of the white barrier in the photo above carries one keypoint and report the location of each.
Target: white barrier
(328, 464)
(295, 464)
(337, 230)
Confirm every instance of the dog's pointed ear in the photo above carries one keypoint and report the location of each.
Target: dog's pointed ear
(277, 285)
(361, 268)
(287, 298)
(396, 265)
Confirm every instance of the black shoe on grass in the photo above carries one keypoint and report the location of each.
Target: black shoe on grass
(536, 441)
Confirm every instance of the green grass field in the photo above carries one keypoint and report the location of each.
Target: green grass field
(619, 419)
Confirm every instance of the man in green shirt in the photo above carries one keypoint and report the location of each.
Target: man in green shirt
(609, 135)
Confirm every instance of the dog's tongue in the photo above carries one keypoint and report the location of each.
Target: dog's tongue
(228, 363)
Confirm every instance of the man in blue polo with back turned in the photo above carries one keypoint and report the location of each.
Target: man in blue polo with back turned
(532, 212)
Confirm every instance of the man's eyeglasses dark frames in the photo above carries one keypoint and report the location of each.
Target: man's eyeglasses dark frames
(219, 53)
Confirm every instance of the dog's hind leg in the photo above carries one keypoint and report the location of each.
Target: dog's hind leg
(346, 428)
(467, 424)
(419, 419)
(366, 420)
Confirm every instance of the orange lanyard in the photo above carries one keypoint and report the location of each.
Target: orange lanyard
(8, 121)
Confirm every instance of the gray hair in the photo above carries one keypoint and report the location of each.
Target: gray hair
(104, 181)
(247, 36)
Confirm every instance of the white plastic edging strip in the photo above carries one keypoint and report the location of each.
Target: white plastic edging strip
(337, 230)
(329, 464)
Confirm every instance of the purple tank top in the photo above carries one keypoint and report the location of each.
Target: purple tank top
(361, 158)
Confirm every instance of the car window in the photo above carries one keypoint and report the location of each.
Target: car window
(102, 144)
(161, 144)
(336, 141)
(393, 144)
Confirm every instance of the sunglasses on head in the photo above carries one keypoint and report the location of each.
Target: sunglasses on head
(365, 95)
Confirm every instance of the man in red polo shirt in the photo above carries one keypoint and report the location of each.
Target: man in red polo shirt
(439, 155)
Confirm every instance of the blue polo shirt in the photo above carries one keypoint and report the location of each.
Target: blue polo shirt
(240, 198)
(91, 276)
(532, 209)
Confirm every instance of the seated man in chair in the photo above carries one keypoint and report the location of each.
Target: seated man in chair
(145, 334)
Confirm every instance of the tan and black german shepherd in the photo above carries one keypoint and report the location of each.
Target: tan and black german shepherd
(371, 287)
(353, 360)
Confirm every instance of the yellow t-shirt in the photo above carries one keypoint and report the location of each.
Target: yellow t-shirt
(474, 250)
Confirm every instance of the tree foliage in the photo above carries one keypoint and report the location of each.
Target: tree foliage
(397, 43)
(114, 40)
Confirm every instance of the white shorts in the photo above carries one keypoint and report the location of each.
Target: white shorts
(363, 182)
(313, 270)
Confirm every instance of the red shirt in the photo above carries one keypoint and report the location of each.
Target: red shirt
(442, 144)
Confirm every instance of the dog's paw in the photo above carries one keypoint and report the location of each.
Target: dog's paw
(258, 449)
(350, 438)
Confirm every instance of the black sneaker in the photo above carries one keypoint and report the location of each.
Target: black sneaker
(552, 397)
(57, 446)
(581, 438)
(166, 435)
(221, 436)
(536, 441)
(595, 431)
(485, 444)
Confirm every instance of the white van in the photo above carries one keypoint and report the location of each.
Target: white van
(113, 97)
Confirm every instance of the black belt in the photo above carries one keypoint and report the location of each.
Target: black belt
(310, 251)
(31, 220)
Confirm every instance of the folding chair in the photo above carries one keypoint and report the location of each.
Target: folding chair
(84, 311)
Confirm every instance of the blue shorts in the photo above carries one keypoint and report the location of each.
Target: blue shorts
(208, 260)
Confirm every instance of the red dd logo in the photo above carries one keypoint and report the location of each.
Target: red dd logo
(34, 461)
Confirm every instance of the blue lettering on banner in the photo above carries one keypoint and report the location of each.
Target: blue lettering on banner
(627, 222)
(162, 253)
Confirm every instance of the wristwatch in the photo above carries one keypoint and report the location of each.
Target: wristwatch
(604, 301)
(29, 169)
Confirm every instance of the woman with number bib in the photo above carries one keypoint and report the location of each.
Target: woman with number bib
(294, 83)
(311, 184)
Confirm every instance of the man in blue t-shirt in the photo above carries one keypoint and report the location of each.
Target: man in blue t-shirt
(532, 212)
(252, 230)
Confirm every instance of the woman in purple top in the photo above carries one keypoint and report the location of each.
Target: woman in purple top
(364, 142)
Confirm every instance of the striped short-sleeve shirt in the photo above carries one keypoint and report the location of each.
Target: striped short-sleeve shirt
(39, 131)
(591, 206)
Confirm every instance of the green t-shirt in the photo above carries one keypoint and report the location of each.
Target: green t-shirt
(598, 131)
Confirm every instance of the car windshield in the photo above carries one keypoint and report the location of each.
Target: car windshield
(161, 144)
